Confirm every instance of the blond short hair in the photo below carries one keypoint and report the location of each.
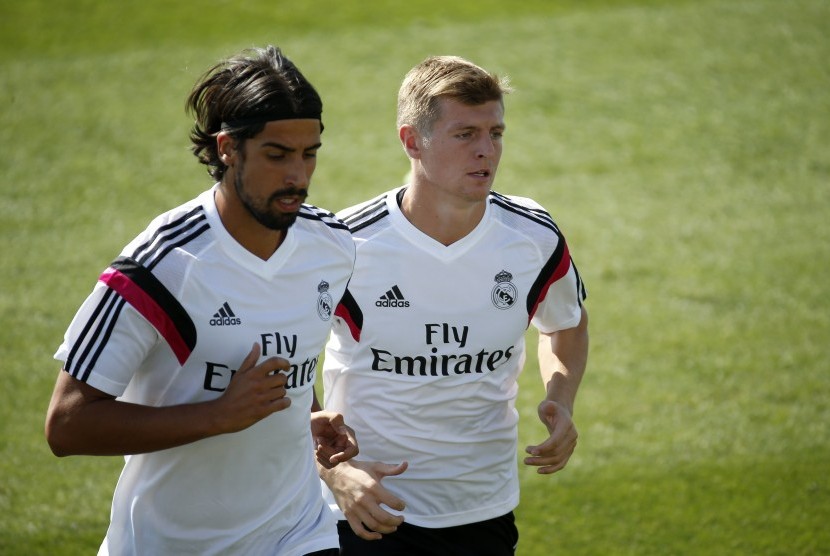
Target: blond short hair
(445, 77)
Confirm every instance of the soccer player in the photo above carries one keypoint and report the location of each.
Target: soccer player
(428, 341)
(195, 355)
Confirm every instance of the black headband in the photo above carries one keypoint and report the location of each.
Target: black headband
(272, 117)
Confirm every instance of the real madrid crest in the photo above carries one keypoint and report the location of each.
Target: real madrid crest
(324, 301)
(504, 293)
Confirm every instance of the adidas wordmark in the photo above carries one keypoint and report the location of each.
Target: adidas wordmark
(225, 316)
(392, 298)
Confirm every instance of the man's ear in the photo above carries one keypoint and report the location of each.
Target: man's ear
(411, 141)
(226, 147)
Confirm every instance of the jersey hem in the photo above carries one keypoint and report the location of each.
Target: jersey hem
(462, 518)
(448, 520)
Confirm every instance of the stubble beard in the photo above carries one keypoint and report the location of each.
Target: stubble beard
(261, 212)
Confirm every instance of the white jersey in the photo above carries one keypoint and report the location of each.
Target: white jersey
(168, 323)
(428, 343)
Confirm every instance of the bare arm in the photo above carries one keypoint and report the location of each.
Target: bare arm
(563, 356)
(334, 441)
(357, 488)
(84, 420)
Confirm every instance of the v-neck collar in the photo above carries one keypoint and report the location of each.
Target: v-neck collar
(422, 241)
(236, 252)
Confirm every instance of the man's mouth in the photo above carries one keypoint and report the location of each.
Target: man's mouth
(290, 198)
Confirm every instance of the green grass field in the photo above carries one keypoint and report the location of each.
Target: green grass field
(681, 146)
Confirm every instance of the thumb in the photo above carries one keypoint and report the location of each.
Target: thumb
(390, 469)
(250, 359)
(538, 449)
(552, 414)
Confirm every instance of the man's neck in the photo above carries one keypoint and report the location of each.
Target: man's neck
(445, 220)
(243, 227)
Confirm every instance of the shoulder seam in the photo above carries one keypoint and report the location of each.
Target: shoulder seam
(310, 212)
(539, 216)
(168, 237)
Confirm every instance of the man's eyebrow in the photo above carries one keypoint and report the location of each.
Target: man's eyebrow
(465, 126)
(275, 145)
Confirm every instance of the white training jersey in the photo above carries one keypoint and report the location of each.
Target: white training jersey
(168, 323)
(428, 343)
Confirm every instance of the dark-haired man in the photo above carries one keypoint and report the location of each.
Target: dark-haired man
(195, 355)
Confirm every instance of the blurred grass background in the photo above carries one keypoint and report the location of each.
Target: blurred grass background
(681, 146)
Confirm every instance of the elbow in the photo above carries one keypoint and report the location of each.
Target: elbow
(58, 448)
(57, 451)
(55, 444)
(57, 437)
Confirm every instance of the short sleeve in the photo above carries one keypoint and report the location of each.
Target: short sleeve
(561, 307)
(106, 341)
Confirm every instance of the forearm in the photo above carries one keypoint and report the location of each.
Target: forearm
(327, 474)
(563, 356)
(82, 422)
(315, 403)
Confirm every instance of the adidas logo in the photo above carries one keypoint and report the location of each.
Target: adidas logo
(225, 316)
(392, 298)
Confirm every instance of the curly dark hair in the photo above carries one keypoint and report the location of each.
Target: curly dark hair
(240, 95)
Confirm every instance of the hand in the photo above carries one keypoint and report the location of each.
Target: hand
(357, 488)
(553, 454)
(254, 392)
(334, 442)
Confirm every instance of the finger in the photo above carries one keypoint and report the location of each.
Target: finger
(556, 458)
(547, 466)
(271, 400)
(554, 442)
(280, 400)
(361, 531)
(324, 460)
(329, 456)
(551, 469)
(273, 365)
(552, 448)
(378, 520)
(348, 444)
(390, 470)
(386, 497)
(250, 359)
(389, 499)
(546, 461)
(335, 419)
(385, 524)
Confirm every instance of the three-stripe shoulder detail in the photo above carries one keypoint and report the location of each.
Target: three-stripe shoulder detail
(310, 212)
(538, 215)
(366, 214)
(174, 234)
(99, 327)
(94, 336)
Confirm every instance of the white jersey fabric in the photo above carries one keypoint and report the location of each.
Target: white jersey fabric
(168, 323)
(428, 343)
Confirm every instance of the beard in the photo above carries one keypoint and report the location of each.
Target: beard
(262, 211)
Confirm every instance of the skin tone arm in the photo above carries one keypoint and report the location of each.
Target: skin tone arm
(563, 356)
(84, 420)
(358, 491)
(356, 485)
(334, 442)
